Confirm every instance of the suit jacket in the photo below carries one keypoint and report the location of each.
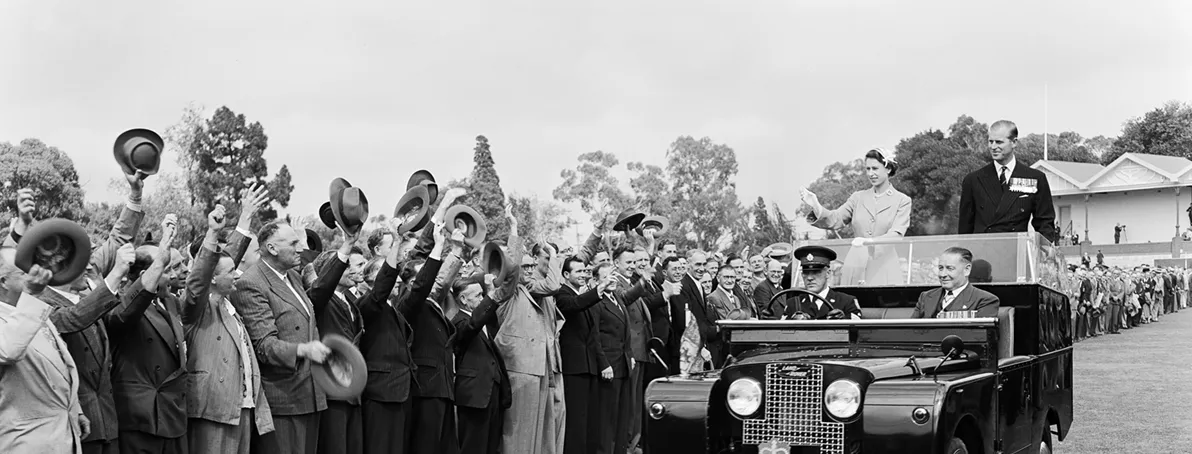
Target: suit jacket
(668, 327)
(641, 298)
(87, 340)
(761, 298)
(149, 375)
(39, 385)
(807, 305)
(969, 299)
(614, 334)
(719, 300)
(340, 315)
(579, 339)
(870, 216)
(986, 207)
(277, 322)
(705, 317)
(434, 375)
(478, 364)
(213, 336)
(388, 335)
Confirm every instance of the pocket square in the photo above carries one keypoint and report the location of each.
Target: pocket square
(1024, 196)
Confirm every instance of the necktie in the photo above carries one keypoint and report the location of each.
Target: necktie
(1004, 181)
(948, 297)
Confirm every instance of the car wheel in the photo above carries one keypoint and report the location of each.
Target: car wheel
(956, 446)
(1045, 443)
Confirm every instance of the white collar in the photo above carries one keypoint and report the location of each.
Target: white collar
(1009, 167)
(465, 310)
(955, 293)
(73, 298)
(275, 271)
(824, 293)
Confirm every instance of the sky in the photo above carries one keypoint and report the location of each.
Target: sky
(372, 91)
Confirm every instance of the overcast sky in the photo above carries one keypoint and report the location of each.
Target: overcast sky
(372, 91)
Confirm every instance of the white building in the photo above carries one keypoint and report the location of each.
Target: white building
(1141, 191)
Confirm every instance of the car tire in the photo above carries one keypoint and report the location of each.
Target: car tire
(1045, 444)
(956, 446)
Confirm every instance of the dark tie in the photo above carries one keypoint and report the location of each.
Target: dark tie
(1003, 177)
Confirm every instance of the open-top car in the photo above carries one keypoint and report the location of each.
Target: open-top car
(888, 383)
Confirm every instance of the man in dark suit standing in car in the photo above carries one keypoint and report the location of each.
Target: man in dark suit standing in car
(1006, 195)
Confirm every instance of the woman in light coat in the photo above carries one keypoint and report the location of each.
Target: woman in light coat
(878, 212)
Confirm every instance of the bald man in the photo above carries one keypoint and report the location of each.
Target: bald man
(1006, 195)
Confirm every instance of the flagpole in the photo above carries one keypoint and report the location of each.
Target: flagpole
(1044, 121)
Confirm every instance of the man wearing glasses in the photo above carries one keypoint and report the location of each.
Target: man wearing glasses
(766, 290)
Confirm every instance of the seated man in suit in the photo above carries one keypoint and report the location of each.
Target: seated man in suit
(955, 298)
(814, 262)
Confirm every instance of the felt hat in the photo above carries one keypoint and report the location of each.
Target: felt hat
(343, 374)
(472, 223)
(58, 245)
(424, 178)
(138, 150)
(780, 249)
(660, 224)
(494, 261)
(629, 220)
(413, 210)
(326, 215)
(348, 205)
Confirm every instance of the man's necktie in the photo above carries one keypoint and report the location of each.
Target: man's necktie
(1003, 177)
(948, 297)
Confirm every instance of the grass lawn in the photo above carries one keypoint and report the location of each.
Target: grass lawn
(1134, 390)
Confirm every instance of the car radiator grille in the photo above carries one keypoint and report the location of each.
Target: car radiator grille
(794, 411)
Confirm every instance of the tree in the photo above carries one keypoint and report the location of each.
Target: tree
(1167, 130)
(180, 136)
(485, 194)
(164, 194)
(540, 219)
(651, 189)
(968, 134)
(227, 155)
(707, 209)
(931, 169)
(591, 184)
(1067, 146)
(838, 182)
(45, 169)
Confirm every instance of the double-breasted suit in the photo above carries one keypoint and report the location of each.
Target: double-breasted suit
(986, 206)
(216, 338)
(482, 391)
(279, 316)
(583, 359)
(871, 215)
(385, 403)
(149, 378)
(970, 298)
(39, 384)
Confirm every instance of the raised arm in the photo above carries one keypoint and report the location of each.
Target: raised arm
(141, 293)
(127, 225)
(451, 264)
(570, 304)
(19, 326)
(830, 219)
(202, 269)
(548, 278)
(91, 308)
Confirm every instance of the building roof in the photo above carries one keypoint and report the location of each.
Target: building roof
(1131, 171)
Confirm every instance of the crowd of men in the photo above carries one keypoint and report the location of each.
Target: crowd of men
(1107, 300)
(245, 341)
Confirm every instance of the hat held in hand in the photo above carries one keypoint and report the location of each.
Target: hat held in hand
(139, 150)
(348, 205)
(629, 220)
(494, 261)
(424, 178)
(413, 210)
(470, 222)
(58, 245)
(660, 225)
(343, 374)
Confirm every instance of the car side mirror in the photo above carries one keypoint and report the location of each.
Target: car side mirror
(952, 346)
(655, 345)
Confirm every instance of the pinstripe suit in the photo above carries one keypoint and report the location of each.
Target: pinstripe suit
(277, 322)
(215, 395)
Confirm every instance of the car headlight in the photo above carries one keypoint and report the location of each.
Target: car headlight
(744, 396)
(843, 398)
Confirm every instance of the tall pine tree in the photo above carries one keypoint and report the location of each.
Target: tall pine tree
(484, 191)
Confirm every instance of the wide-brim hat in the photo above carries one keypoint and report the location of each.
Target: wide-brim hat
(138, 150)
(781, 249)
(494, 261)
(474, 229)
(349, 205)
(814, 257)
(424, 178)
(313, 241)
(660, 224)
(343, 374)
(58, 245)
(414, 208)
(326, 215)
(629, 220)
